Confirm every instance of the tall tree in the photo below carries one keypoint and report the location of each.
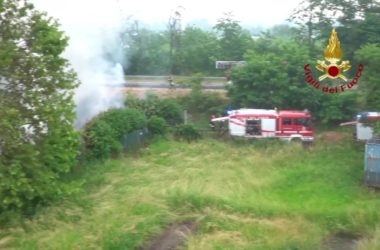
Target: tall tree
(355, 20)
(233, 40)
(199, 51)
(38, 142)
(369, 55)
(358, 23)
(147, 51)
(314, 18)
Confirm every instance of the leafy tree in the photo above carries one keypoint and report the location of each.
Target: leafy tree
(369, 55)
(199, 102)
(38, 142)
(167, 109)
(199, 51)
(314, 20)
(157, 125)
(274, 77)
(337, 107)
(355, 20)
(282, 31)
(147, 51)
(102, 136)
(357, 23)
(233, 40)
(186, 132)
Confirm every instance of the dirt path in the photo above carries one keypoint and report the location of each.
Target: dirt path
(341, 241)
(173, 237)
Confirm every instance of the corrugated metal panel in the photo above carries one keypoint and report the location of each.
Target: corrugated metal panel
(372, 163)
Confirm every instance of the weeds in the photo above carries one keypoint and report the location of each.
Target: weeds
(245, 195)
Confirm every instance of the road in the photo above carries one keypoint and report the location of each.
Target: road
(180, 82)
(154, 85)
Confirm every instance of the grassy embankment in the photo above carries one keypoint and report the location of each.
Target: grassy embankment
(265, 195)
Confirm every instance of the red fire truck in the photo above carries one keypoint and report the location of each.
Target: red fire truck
(269, 123)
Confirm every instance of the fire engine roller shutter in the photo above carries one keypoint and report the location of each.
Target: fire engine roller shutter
(268, 127)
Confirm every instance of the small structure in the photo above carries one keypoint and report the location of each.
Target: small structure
(364, 125)
(269, 123)
(372, 162)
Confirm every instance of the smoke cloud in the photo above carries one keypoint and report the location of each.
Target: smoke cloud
(95, 51)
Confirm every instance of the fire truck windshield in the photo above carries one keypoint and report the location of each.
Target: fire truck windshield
(303, 122)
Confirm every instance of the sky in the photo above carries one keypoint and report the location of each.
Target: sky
(249, 12)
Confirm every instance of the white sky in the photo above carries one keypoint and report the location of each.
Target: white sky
(249, 12)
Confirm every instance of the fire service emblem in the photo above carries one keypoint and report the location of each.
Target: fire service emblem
(333, 69)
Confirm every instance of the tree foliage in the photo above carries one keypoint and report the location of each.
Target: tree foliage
(233, 40)
(38, 143)
(103, 134)
(167, 109)
(186, 132)
(274, 77)
(157, 125)
(355, 20)
(184, 51)
(199, 102)
(200, 49)
(147, 51)
(313, 18)
(369, 55)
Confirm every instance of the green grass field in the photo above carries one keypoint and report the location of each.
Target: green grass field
(259, 195)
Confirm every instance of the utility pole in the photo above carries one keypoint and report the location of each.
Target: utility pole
(174, 27)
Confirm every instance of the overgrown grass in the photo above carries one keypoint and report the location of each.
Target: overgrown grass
(245, 195)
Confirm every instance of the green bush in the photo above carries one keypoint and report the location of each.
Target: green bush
(103, 134)
(101, 140)
(168, 109)
(157, 125)
(204, 103)
(200, 102)
(186, 132)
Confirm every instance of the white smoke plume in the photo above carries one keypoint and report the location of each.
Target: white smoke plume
(94, 29)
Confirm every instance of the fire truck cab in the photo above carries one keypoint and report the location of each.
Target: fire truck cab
(268, 123)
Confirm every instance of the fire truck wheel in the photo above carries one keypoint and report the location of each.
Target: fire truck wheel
(296, 140)
(307, 144)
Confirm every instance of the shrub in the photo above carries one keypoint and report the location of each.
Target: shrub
(199, 102)
(101, 140)
(103, 134)
(186, 132)
(168, 109)
(157, 125)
